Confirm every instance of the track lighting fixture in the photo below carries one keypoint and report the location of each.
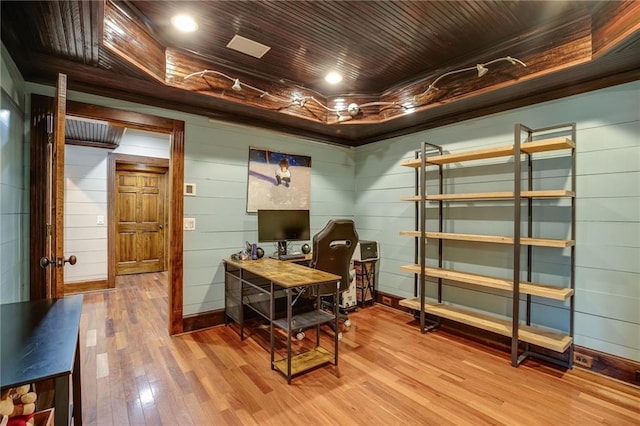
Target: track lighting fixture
(480, 68)
(353, 109)
(237, 84)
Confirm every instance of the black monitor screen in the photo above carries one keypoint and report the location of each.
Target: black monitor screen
(283, 225)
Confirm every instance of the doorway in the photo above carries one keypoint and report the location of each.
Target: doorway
(174, 188)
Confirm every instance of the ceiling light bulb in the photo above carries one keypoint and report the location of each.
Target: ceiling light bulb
(236, 85)
(333, 78)
(482, 70)
(184, 23)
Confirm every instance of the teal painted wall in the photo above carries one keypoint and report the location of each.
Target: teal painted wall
(14, 186)
(216, 161)
(607, 314)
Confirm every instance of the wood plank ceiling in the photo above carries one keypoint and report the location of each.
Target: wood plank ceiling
(389, 54)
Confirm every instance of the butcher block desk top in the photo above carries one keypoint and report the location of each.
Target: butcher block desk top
(285, 274)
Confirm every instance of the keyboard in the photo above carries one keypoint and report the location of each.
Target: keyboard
(291, 256)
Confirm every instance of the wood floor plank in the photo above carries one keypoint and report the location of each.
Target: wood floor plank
(134, 373)
(104, 412)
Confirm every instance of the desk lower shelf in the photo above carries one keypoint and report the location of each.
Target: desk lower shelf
(305, 361)
(305, 320)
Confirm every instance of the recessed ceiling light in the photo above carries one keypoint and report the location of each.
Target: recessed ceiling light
(333, 78)
(184, 23)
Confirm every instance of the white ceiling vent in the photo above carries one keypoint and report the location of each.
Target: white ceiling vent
(248, 47)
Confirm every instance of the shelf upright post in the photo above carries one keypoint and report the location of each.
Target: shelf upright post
(423, 230)
(529, 225)
(440, 226)
(573, 238)
(529, 229)
(289, 315)
(416, 226)
(516, 246)
(272, 316)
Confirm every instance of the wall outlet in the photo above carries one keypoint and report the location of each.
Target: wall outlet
(100, 220)
(582, 360)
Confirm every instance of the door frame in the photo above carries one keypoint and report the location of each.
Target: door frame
(175, 210)
(112, 163)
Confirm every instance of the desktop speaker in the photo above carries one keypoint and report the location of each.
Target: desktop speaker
(306, 249)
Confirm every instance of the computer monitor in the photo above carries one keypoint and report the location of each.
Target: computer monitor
(283, 225)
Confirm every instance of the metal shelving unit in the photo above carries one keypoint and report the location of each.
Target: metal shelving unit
(527, 143)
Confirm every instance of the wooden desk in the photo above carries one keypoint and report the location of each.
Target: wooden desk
(40, 340)
(258, 284)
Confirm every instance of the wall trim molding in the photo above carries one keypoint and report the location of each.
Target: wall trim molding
(609, 365)
(202, 320)
(83, 286)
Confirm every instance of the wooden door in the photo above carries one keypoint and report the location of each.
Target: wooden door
(47, 195)
(140, 219)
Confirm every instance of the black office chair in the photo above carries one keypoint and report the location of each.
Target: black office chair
(333, 249)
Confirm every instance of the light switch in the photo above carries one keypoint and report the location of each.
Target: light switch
(100, 220)
(189, 223)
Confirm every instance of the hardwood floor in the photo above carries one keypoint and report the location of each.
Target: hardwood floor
(134, 373)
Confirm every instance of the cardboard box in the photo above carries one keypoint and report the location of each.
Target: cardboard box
(368, 296)
(44, 418)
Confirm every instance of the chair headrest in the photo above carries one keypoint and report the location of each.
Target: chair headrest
(333, 249)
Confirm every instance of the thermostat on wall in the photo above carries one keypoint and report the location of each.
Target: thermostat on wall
(189, 189)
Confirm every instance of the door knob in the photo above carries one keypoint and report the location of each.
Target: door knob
(161, 226)
(44, 262)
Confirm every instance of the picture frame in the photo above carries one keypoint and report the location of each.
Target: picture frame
(278, 180)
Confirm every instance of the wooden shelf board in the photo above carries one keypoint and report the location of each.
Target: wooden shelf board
(534, 289)
(546, 242)
(411, 198)
(549, 193)
(470, 196)
(479, 154)
(552, 144)
(498, 239)
(554, 341)
(554, 193)
(305, 361)
(415, 163)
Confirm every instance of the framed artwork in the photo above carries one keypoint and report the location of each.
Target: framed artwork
(278, 180)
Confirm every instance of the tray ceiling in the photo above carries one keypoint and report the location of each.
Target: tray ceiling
(389, 54)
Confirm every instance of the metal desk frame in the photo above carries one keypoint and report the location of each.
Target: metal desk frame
(271, 279)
